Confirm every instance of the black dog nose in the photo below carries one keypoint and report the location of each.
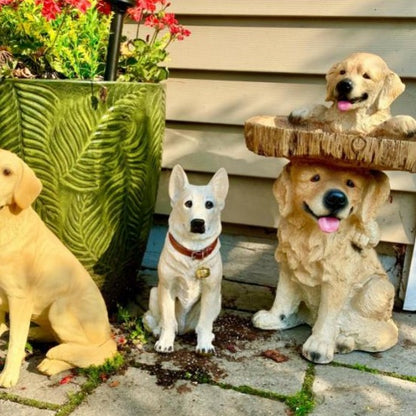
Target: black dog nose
(335, 200)
(198, 226)
(344, 87)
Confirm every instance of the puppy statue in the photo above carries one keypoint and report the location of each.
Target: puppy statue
(43, 282)
(361, 88)
(188, 295)
(330, 275)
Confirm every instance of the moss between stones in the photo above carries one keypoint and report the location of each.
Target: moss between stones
(28, 402)
(365, 369)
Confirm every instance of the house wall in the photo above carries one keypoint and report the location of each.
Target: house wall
(247, 58)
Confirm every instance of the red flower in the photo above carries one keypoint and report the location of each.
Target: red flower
(50, 9)
(104, 7)
(179, 32)
(169, 19)
(81, 5)
(154, 21)
(136, 13)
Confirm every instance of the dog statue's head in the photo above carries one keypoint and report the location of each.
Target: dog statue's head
(327, 195)
(362, 80)
(196, 209)
(19, 186)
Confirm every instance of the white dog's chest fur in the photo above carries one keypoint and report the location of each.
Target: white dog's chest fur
(181, 271)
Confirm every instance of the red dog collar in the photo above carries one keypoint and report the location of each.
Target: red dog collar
(195, 255)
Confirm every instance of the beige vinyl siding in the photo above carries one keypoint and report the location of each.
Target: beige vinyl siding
(246, 58)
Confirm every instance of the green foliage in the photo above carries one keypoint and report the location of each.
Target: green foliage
(73, 45)
(140, 60)
(69, 39)
(97, 374)
(131, 325)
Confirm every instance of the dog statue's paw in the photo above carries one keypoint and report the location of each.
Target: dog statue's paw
(299, 116)
(272, 320)
(368, 236)
(403, 127)
(315, 112)
(318, 350)
(161, 346)
(205, 349)
(50, 366)
(9, 378)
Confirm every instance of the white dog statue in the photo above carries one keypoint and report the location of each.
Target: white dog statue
(188, 295)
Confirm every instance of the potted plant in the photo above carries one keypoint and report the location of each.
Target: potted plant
(94, 144)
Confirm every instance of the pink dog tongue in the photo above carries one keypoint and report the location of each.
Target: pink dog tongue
(344, 105)
(328, 224)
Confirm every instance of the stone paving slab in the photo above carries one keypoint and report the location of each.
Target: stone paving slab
(355, 384)
(14, 409)
(138, 394)
(355, 393)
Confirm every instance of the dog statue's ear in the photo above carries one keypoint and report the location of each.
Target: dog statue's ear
(392, 88)
(329, 83)
(28, 189)
(177, 183)
(282, 191)
(219, 183)
(375, 195)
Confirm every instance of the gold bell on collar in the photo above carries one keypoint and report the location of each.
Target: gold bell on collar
(202, 272)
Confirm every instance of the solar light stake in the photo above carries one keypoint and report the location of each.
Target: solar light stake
(118, 8)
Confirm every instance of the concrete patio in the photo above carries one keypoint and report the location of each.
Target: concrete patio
(253, 373)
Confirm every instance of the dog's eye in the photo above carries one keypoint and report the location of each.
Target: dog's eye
(366, 76)
(188, 204)
(7, 172)
(209, 205)
(350, 183)
(342, 72)
(315, 178)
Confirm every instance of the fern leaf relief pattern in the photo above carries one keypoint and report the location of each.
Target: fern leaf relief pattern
(99, 166)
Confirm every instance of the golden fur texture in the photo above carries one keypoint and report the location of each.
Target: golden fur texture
(361, 88)
(43, 282)
(330, 275)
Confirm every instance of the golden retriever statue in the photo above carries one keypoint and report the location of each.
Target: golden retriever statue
(330, 275)
(43, 282)
(361, 88)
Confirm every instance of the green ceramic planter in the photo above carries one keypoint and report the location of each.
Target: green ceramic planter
(96, 147)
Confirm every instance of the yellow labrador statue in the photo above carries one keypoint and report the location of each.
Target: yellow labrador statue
(361, 88)
(188, 296)
(330, 275)
(43, 282)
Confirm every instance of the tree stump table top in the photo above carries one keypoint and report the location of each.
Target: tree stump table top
(274, 136)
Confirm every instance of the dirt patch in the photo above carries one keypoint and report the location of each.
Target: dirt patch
(232, 333)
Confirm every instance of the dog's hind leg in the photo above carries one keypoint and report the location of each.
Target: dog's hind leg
(69, 355)
(368, 325)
